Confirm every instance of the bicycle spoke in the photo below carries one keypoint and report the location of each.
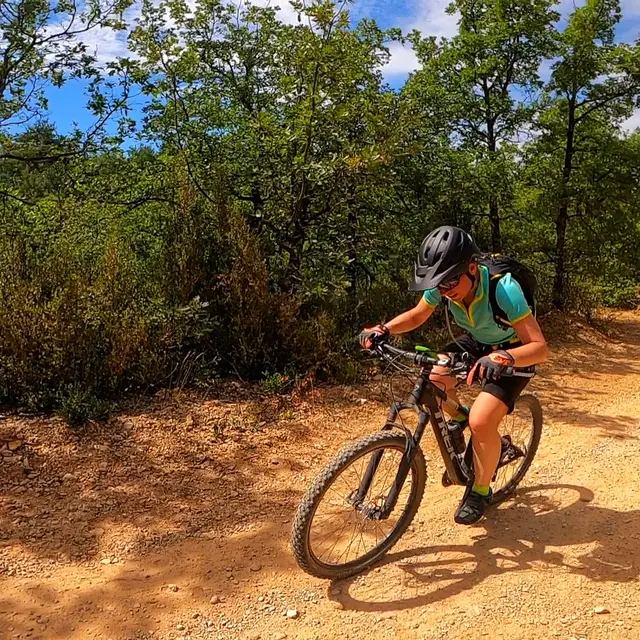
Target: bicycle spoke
(338, 538)
(341, 532)
(331, 533)
(519, 427)
(346, 552)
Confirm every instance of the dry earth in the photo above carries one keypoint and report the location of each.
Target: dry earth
(172, 520)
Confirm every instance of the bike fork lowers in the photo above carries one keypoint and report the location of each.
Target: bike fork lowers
(381, 513)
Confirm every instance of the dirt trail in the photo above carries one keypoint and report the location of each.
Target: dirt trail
(172, 521)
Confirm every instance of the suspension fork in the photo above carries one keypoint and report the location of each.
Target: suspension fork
(412, 441)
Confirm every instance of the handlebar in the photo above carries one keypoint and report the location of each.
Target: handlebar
(389, 353)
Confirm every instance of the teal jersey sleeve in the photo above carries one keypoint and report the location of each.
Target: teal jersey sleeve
(432, 297)
(511, 299)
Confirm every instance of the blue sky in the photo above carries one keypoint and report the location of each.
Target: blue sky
(428, 16)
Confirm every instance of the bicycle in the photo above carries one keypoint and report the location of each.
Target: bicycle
(373, 500)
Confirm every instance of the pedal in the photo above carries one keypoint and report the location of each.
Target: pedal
(509, 452)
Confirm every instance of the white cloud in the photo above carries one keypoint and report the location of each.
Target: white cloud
(105, 43)
(433, 20)
(286, 13)
(632, 123)
(108, 45)
(403, 60)
(430, 19)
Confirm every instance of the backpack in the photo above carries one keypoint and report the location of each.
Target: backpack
(499, 266)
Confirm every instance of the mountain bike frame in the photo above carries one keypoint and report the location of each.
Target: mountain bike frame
(424, 400)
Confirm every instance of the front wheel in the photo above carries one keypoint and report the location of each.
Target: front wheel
(520, 432)
(333, 535)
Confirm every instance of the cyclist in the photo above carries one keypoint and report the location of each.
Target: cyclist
(448, 266)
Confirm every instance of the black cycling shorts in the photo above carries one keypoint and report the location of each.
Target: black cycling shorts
(507, 388)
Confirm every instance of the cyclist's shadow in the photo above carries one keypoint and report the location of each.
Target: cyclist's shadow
(527, 533)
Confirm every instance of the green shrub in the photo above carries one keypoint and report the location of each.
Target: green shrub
(77, 406)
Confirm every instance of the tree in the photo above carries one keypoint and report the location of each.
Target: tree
(594, 84)
(42, 43)
(483, 79)
(292, 120)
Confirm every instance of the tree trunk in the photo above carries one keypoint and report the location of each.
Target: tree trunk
(352, 264)
(291, 280)
(562, 219)
(494, 212)
(494, 218)
(561, 236)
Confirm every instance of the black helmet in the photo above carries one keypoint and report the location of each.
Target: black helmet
(443, 254)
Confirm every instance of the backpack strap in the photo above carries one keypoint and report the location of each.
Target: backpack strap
(499, 315)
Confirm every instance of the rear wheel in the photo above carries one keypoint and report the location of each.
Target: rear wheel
(334, 536)
(520, 432)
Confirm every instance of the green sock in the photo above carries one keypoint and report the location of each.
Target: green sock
(462, 417)
(480, 490)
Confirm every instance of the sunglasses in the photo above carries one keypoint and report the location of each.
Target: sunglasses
(452, 283)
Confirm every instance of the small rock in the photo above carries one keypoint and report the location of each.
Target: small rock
(335, 604)
(586, 498)
(292, 613)
(601, 610)
(68, 476)
(180, 627)
(172, 587)
(195, 615)
(279, 636)
(208, 535)
(14, 445)
(214, 600)
(256, 567)
(105, 561)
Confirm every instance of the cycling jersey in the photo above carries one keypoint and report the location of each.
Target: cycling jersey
(478, 318)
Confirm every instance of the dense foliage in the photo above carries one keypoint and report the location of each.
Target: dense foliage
(267, 199)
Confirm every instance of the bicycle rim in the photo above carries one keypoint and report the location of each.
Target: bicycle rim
(332, 537)
(523, 427)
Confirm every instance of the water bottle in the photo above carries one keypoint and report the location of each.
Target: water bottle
(457, 437)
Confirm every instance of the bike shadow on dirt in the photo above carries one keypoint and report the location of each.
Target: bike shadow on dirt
(520, 536)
